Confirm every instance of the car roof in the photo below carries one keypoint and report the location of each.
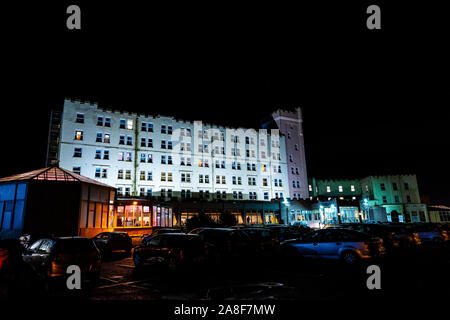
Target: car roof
(220, 229)
(178, 234)
(66, 238)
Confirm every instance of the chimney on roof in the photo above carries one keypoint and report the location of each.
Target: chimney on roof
(54, 163)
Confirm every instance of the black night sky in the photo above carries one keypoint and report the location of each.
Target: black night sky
(374, 102)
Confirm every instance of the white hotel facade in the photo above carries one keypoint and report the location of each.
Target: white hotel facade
(152, 155)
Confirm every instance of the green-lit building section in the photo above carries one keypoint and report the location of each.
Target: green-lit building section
(391, 198)
(397, 194)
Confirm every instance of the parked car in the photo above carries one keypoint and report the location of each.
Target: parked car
(348, 245)
(158, 231)
(17, 279)
(171, 250)
(50, 257)
(288, 232)
(404, 236)
(430, 233)
(27, 239)
(264, 239)
(227, 242)
(393, 236)
(108, 242)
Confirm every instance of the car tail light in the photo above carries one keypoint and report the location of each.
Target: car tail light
(416, 238)
(58, 258)
(181, 255)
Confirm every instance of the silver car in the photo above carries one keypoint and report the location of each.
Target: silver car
(348, 245)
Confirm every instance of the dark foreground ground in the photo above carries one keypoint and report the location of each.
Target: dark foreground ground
(407, 275)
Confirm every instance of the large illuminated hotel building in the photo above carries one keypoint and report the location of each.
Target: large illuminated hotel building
(161, 157)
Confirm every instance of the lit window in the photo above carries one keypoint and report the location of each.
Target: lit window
(341, 189)
(78, 135)
(130, 124)
(328, 189)
(106, 138)
(352, 188)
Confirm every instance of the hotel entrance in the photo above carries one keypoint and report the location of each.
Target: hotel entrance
(137, 217)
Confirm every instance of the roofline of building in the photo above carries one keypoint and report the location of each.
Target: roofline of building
(148, 115)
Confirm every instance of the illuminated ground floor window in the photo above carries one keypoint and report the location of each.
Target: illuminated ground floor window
(143, 216)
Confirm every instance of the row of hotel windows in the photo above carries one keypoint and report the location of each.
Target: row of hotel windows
(397, 199)
(340, 188)
(148, 142)
(394, 186)
(185, 177)
(148, 158)
(186, 193)
(168, 129)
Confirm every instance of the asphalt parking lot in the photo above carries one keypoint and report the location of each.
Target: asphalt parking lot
(404, 274)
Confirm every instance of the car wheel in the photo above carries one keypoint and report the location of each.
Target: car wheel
(349, 257)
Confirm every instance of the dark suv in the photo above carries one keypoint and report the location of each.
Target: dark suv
(171, 250)
(108, 242)
(227, 242)
(50, 257)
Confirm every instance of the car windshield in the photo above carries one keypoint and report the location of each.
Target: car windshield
(74, 245)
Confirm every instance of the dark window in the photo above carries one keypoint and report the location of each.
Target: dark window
(80, 118)
(77, 152)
